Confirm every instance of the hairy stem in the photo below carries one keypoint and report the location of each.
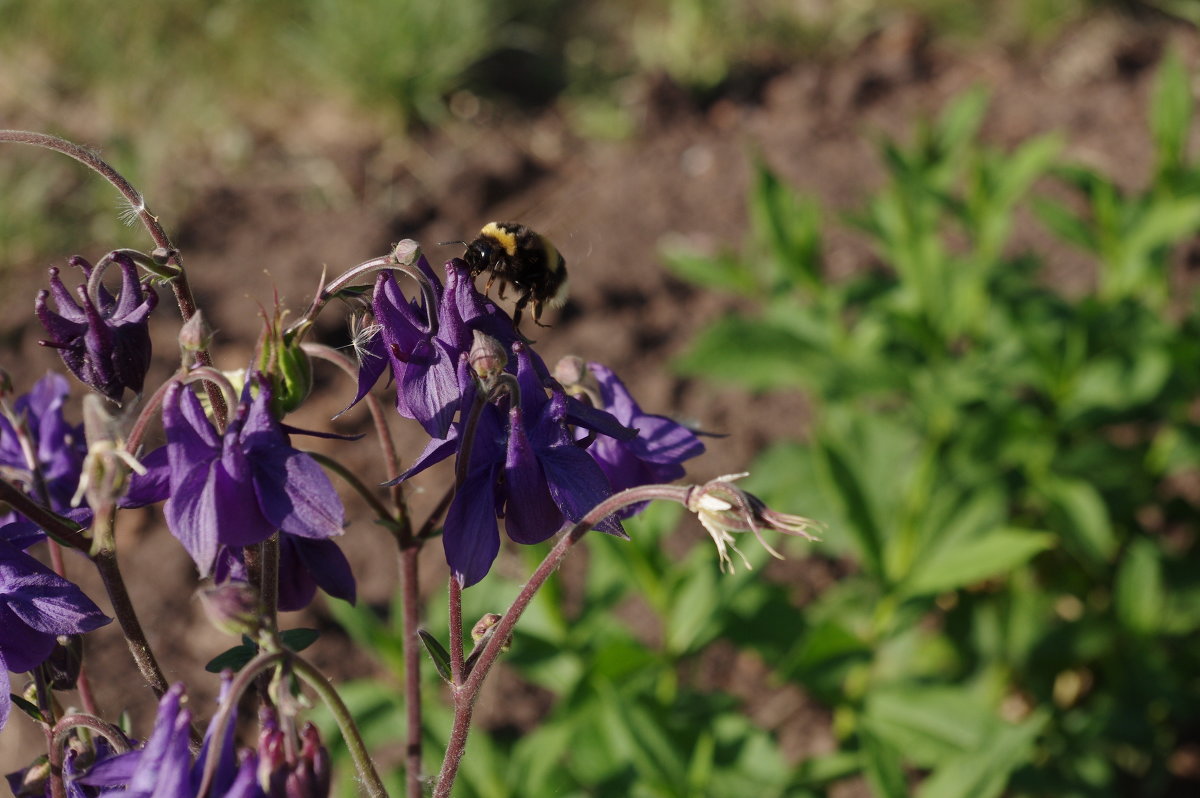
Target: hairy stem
(456, 637)
(345, 721)
(179, 283)
(465, 696)
(120, 743)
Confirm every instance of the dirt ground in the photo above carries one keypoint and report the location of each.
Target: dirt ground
(608, 206)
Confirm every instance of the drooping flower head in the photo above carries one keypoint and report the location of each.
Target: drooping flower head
(103, 339)
(36, 606)
(163, 767)
(235, 488)
(724, 509)
(57, 446)
(523, 466)
(423, 346)
(655, 456)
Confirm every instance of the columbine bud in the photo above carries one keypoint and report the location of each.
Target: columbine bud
(104, 478)
(723, 509)
(285, 773)
(232, 607)
(482, 630)
(570, 372)
(487, 357)
(105, 342)
(195, 335)
(33, 781)
(286, 364)
(310, 778)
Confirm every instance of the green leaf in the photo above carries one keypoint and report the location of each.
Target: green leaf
(1166, 222)
(928, 724)
(1023, 167)
(694, 606)
(300, 638)
(817, 771)
(723, 272)
(844, 483)
(757, 354)
(787, 228)
(882, 766)
(1081, 518)
(960, 122)
(29, 708)
(966, 562)
(233, 658)
(1065, 224)
(1140, 598)
(1171, 112)
(985, 772)
(437, 652)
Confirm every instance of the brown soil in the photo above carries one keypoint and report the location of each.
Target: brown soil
(609, 207)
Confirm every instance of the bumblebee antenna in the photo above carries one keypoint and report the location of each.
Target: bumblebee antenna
(448, 243)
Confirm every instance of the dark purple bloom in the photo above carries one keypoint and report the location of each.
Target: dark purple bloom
(163, 767)
(79, 758)
(36, 606)
(105, 342)
(238, 488)
(654, 456)
(304, 565)
(525, 467)
(423, 348)
(58, 447)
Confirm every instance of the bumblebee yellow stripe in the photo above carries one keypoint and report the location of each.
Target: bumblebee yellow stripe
(506, 239)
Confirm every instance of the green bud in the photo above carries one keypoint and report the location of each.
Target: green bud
(286, 364)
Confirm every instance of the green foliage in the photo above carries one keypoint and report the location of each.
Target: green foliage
(1000, 461)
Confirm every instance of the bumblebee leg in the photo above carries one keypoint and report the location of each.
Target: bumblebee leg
(522, 301)
(503, 286)
(537, 314)
(488, 287)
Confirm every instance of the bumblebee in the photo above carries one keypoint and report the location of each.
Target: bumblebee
(514, 253)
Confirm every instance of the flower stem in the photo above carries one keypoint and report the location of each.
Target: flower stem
(179, 284)
(135, 636)
(108, 731)
(345, 721)
(411, 602)
(456, 639)
(468, 692)
(51, 523)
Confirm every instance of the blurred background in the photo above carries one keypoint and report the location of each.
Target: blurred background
(930, 265)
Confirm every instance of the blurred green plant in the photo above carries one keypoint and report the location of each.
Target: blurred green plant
(1004, 465)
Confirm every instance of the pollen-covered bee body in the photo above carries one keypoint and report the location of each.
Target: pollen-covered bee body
(514, 253)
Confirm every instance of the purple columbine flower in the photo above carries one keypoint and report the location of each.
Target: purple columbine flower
(236, 488)
(58, 447)
(36, 606)
(525, 467)
(655, 456)
(105, 341)
(163, 767)
(423, 348)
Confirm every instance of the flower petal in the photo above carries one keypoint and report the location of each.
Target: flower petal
(577, 484)
(324, 564)
(530, 514)
(470, 536)
(296, 496)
